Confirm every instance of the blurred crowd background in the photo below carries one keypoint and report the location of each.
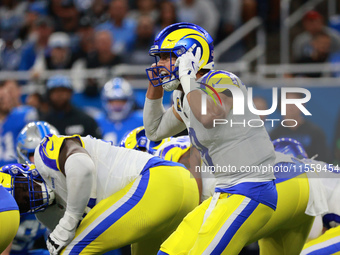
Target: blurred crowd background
(92, 41)
(80, 64)
(268, 43)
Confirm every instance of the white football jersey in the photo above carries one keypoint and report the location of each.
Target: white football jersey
(115, 167)
(229, 148)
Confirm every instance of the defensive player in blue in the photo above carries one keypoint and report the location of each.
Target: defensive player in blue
(30, 230)
(12, 120)
(9, 213)
(119, 115)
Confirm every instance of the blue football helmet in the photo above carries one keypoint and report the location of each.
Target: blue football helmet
(177, 39)
(137, 140)
(18, 178)
(290, 146)
(117, 89)
(30, 137)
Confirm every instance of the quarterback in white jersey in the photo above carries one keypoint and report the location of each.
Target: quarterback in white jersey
(113, 192)
(185, 56)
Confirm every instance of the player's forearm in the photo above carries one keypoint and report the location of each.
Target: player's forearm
(79, 170)
(208, 113)
(154, 92)
(159, 123)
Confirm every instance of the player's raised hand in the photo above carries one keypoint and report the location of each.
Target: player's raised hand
(154, 74)
(188, 63)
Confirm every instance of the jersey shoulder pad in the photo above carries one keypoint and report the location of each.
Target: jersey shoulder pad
(214, 80)
(49, 149)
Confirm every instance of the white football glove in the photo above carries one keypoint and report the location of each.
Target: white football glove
(188, 64)
(63, 234)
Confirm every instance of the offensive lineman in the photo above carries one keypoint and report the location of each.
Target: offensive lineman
(243, 202)
(9, 213)
(122, 188)
(285, 232)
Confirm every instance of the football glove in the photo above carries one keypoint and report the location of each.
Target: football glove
(63, 234)
(188, 65)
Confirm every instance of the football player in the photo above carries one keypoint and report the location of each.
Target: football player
(119, 115)
(324, 237)
(114, 192)
(171, 148)
(323, 199)
(30, 230)
(9, 213)
(243, 201)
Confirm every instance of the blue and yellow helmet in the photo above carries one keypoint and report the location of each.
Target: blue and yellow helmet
(17, 178)
(177, 39)
(290, 146)
(137, 140)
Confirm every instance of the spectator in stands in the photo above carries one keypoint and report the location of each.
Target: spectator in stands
(37, 44)
(120, 26)
(34, 11)
(58, 57)
(308, 134)
(145, 38)
(103, 55)
(144, 8)
(12, 120)
(231, 17)
(13, 11)
(320, 51)
(10, 45)
(38, 101)
(167, 16)
(63, 115)
(313, 23)
(97, 13)
(14, 92)
(85, 34)
(200, 12)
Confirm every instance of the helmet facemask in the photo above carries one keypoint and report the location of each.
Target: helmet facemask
(29, 189)
(157, 73)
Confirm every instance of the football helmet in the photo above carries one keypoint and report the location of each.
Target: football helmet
(137, 140)
(117, 89)
(27, 177)
(30, 137)
(290, 146)
(177, 39)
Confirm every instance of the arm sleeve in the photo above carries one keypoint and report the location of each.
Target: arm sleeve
(79, 171)
(159, 123)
